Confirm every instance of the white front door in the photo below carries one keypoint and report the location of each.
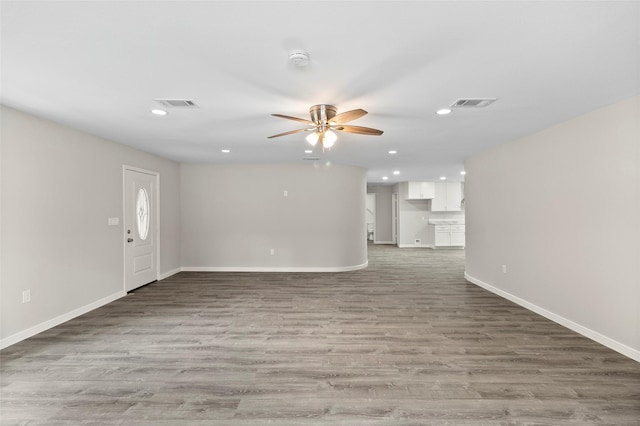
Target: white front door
(140, 228)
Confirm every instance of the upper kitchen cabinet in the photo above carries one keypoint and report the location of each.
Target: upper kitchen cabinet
(418, 190)
(448, 197)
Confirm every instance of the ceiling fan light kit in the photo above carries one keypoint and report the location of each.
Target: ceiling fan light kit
(324, 121)
(329, 139)
(312, 138)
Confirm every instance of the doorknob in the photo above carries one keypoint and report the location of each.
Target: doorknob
(129, 240)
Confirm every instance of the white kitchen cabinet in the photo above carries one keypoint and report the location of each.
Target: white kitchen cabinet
(419, 190)
(457, 235)
(447, 197)
(443, 235)
(449, 236)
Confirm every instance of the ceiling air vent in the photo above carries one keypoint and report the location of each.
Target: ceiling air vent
(311, 158)
(473, 102)
(177, 103)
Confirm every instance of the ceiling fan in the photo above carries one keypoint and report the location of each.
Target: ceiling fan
(324, 120)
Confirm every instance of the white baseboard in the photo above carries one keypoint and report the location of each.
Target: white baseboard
(587, 332)
(32, 331)
(383, 242)
(415, 246)
(168, 274)
(274, 268)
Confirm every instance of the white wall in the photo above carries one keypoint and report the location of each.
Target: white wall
(413, 217)
(59, 186)
(383, 212)
(233, 215)
(413, 220)
(561, 209)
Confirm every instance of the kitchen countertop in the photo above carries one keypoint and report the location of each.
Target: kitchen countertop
(446, 222)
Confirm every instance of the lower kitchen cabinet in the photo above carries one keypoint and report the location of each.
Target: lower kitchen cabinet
(457, 235)
(449, 236)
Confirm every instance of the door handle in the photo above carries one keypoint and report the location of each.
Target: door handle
(129, 240)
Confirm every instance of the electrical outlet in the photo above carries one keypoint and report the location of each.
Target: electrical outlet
(26, 296)
(286, 193)
(273, 251)
(504, 269)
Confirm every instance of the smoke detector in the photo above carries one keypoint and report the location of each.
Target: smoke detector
(299, 58)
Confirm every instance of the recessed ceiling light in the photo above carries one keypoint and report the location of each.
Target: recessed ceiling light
(159, 112)
(308, 151)
(385, 177)
(393, 152)
(443, 178)
(443, 111)
(226, 151)
(396, 172)
(463, 173)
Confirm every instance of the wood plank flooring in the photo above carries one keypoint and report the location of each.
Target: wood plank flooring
(406, 341)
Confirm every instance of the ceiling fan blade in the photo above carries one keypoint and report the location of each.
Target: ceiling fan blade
(302, 120)
(290, 133)
(359, 130)
(347, 116)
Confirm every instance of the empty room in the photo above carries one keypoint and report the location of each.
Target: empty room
(320, 212)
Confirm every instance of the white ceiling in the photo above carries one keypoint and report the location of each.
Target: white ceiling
(97, 66)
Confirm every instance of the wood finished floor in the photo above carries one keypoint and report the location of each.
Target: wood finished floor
(406, 341)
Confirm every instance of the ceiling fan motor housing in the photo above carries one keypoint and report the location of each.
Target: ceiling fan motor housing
(322, 113)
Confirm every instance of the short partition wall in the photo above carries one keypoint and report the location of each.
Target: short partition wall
(265, 217)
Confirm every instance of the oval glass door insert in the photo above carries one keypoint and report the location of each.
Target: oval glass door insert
(142, 214)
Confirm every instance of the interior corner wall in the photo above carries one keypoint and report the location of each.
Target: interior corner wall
(58, 188)
(234, 215)
(413, 217)
(383, 213)
(561, 210)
